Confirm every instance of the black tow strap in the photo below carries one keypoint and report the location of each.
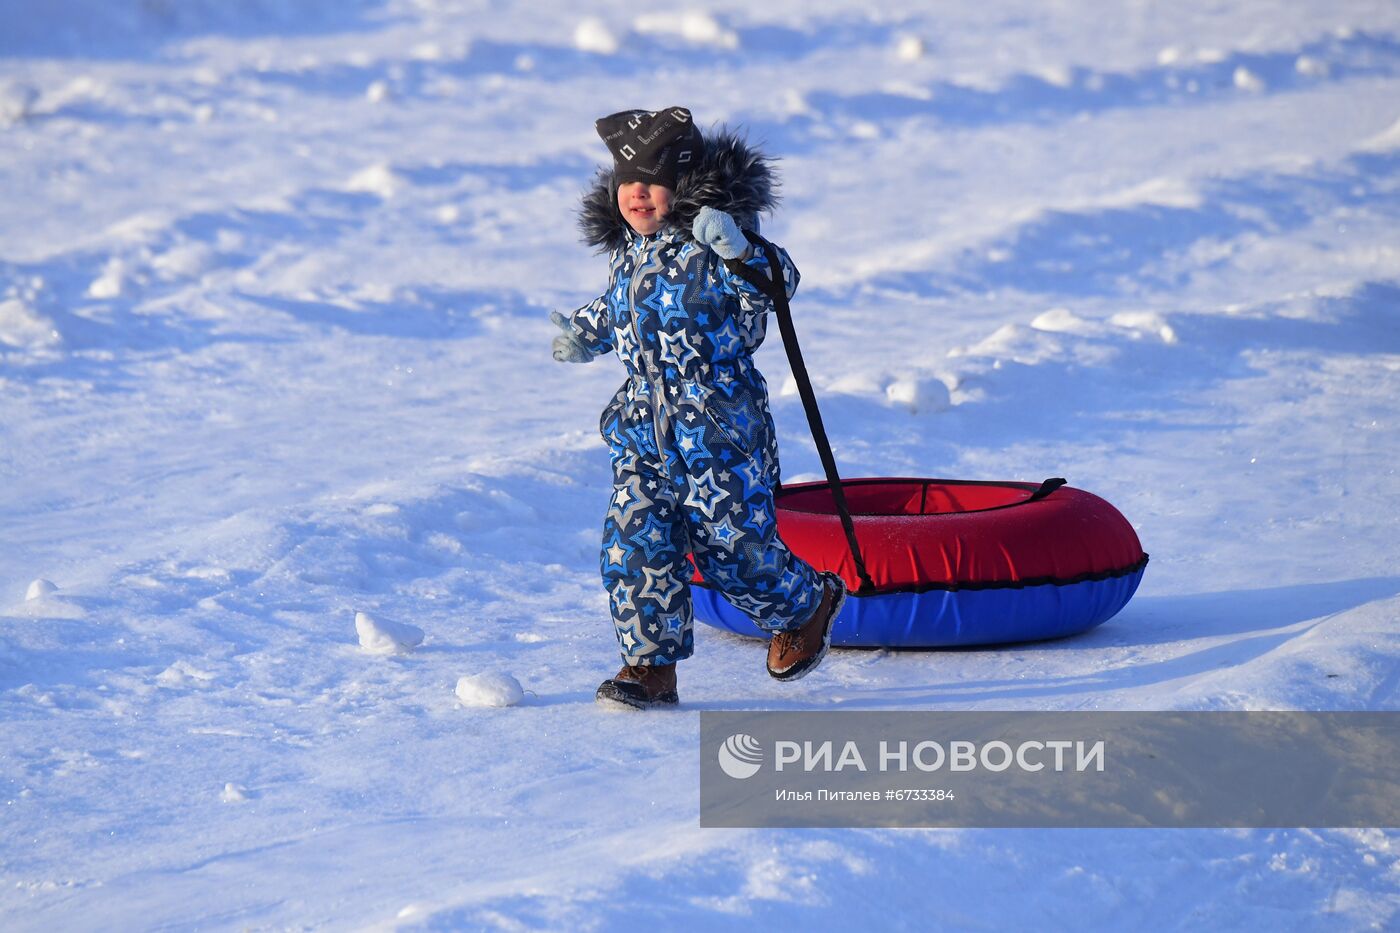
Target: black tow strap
(1047, 487)
(776, 290)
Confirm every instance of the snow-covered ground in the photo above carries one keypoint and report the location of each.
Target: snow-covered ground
(274, 285)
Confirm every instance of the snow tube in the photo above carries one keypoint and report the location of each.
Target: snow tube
(956, 562)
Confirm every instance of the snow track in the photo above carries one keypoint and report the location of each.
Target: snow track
(274, 286)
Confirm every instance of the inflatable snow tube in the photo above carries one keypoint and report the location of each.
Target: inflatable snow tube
(956, 562)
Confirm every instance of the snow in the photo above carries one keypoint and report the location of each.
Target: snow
(23, 327)
(693, 26)
(910, 48)
(274, 293)
(592, 35)
(379, 635)
(234, 793)
(40, 589)
(491, 688)
(16, 101)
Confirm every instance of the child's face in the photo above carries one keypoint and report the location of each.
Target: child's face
(643, 205)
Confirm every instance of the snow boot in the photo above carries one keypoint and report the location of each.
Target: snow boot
(640, 687)
(795, 653)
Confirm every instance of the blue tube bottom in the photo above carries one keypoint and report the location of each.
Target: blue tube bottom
(949, 618)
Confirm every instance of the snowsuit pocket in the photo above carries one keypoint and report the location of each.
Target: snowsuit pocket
(738, 419)
(610, 412)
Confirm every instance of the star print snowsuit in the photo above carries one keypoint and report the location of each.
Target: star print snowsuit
(693, 449)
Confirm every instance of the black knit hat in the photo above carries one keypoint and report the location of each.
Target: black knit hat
(656, 147)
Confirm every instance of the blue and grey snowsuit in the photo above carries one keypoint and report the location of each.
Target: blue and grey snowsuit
(694, 453)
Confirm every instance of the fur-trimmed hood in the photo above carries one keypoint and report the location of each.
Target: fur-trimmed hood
(733, 177)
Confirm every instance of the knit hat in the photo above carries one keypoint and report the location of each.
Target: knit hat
(655, 147)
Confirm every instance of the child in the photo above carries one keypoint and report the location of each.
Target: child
(694, 454)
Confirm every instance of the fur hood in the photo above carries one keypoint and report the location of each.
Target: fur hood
(733, 177)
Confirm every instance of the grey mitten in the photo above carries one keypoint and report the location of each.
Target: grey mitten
(719, 232)
(567, 348)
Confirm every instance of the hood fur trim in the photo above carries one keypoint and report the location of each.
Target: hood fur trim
(733, 177)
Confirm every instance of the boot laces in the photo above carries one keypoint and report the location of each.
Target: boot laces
(790, 641)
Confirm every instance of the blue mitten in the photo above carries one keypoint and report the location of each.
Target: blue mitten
(719, 232)
(567, 348)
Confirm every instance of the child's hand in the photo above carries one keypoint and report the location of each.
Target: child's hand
(567, 347)
(719, 232)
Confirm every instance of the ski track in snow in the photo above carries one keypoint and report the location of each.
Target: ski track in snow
(273, 351)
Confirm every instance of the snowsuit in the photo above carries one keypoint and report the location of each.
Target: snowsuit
(693, 449)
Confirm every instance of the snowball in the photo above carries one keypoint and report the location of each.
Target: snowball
(1247, 80)
(493, 688)
(377, 92)
(1311, 67)
(43, 601)
(1145, 322)
(384, 636)
(234, 793)
(919, 394)
(377, 179)
(692, 26)
(909, 48)
(16, 102)
(184, 674)
(592, 36)
(864, 129)
(40, 588)
(903, 392)
(112, 281)
(1056, 75)
(1065, 321)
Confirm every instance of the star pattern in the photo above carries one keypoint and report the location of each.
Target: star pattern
(723, 377)
(654, 539)
(628, 499)
(769, 561)
(615, 553)
(674, 624)
(618, 296)
(659, 586)
(723, 533)
(682, 480)
(727, 341)
(760, 520)
(705, 493)
(667, 300)
(622, 601)
(691, 442)
(749, 602)
(677, 348)
(726, 576)
(711, 293)
(750, 478)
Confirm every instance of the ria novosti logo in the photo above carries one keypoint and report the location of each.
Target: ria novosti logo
(740, 756)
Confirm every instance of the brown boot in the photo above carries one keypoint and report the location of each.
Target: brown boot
(795, 653)
(640, 687)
